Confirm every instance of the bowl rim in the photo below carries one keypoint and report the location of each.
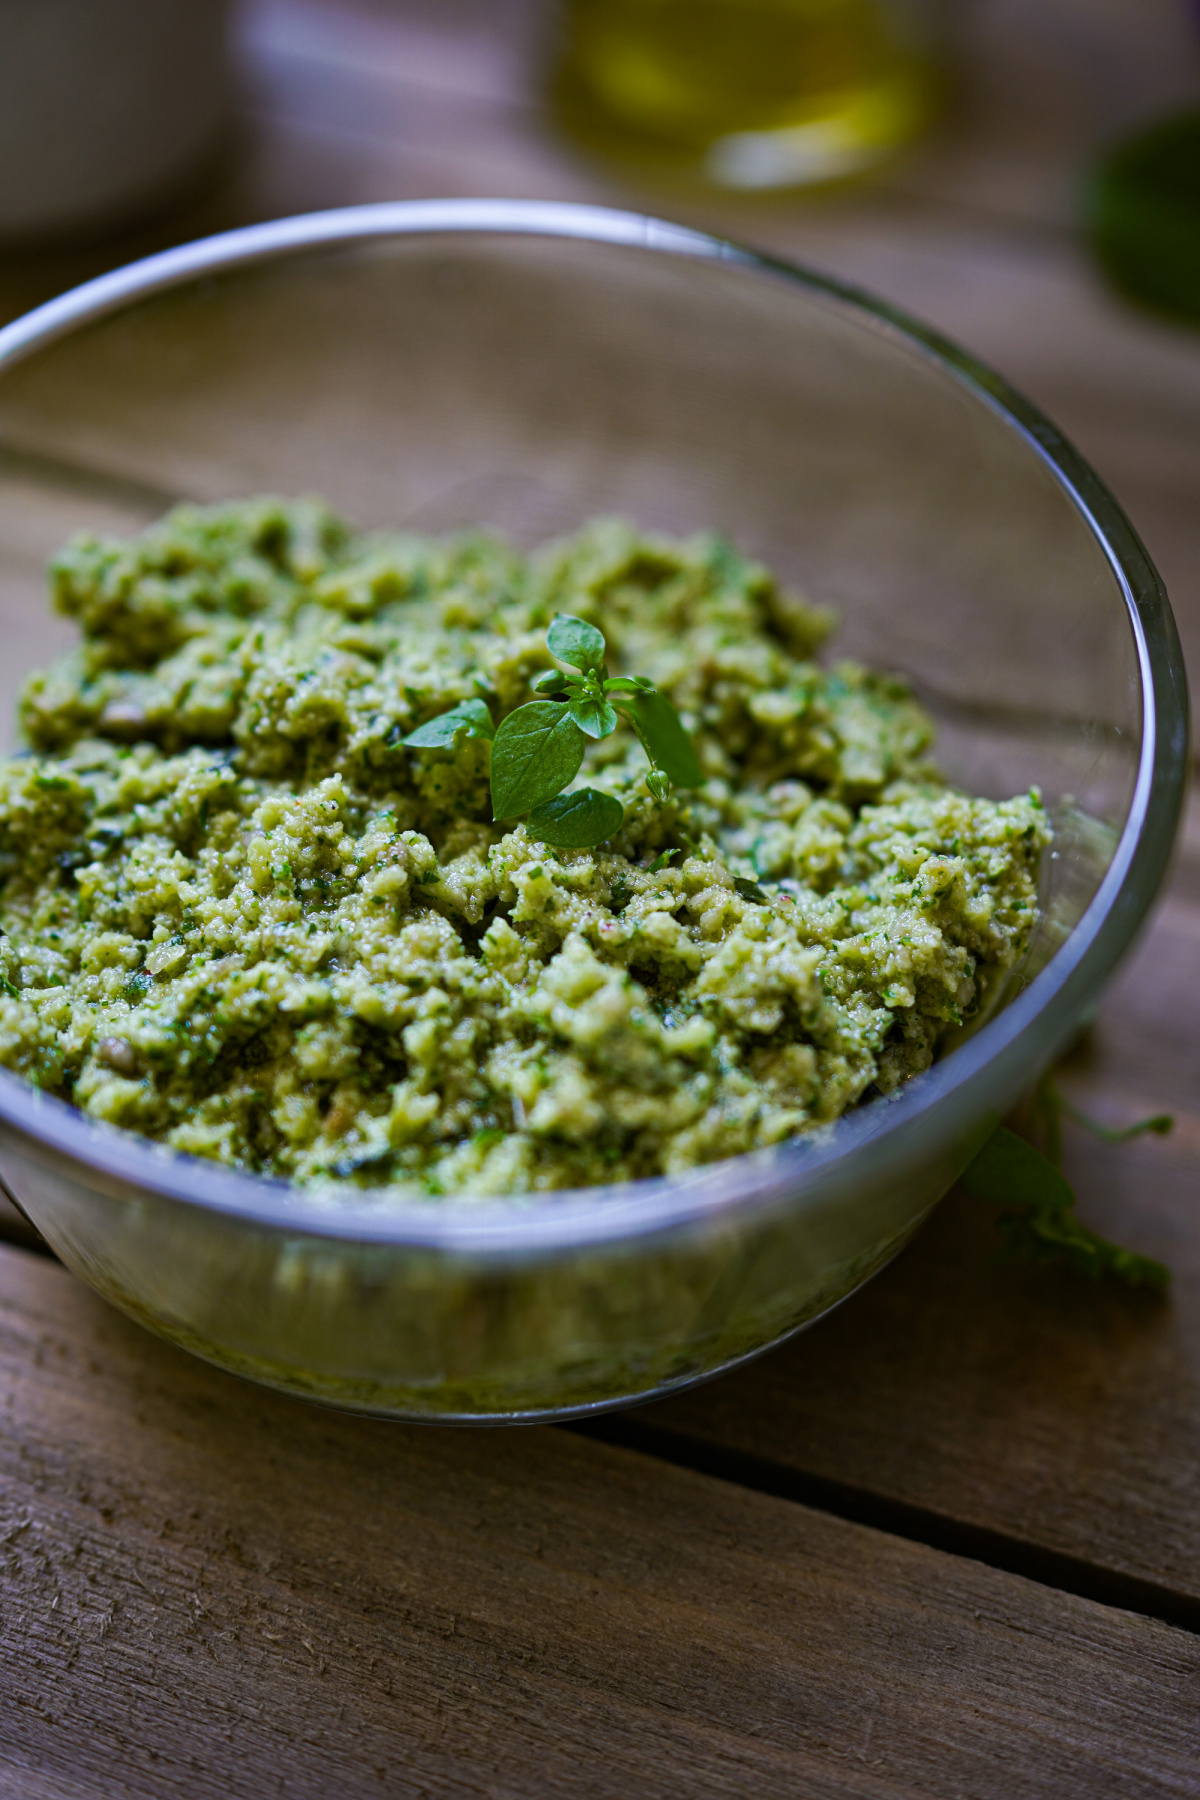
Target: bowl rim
(569, 1220)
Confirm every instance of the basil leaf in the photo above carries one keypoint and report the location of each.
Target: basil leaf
(577, 820)
(470, 718)
(628, 684)
(594, 716)
(667, 743)
(537, 751)
(1143, 214)
(1011, 1172)
(576, 642)
(1039, 1219)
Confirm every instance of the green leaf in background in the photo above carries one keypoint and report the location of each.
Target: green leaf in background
(576, 642)
(594, 716)
(1142, 207)
(578, 820)
(1038, 1216)
(661, 731)
(470, 718)
(537, 751)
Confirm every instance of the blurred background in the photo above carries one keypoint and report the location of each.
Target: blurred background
(1025, 174)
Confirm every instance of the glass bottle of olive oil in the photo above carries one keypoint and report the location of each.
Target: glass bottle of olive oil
(753, 93)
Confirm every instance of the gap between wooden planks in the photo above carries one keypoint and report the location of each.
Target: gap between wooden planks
(211, 1590)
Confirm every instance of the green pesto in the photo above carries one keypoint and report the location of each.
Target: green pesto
(242, 917)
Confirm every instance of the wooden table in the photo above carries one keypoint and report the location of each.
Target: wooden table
(947, 1543)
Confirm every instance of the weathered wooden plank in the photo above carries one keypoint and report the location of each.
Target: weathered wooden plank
(1022, 1402)
(209, 1590)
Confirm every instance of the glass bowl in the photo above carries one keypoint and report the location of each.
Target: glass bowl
(526, 366)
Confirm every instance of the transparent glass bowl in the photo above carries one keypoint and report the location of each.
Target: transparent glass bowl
(526, 366)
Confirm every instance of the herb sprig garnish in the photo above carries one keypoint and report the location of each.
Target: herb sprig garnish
(539, 748)
(1038, 1218)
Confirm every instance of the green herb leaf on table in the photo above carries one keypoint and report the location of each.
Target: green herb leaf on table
(537, 751)
(576, 642)
(1143, 214)
(470, 718)
(594, 716)
(1038, 1216)
(578, 820)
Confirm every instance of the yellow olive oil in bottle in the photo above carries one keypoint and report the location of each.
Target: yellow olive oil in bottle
(751, 93)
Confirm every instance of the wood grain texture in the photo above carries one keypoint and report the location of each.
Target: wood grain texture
(1037, 1405)
(210, 1590)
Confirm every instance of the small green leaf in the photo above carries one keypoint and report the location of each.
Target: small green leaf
(553, 681)
(750, 890)
(578, 820)
(662, 862)
(470, 718)
(1039, 1218)
(1010, 1172)
(576, 642)
(666, 742)
(537, 751)
(594, 716)
(1143, 213)
(659, 784)
(628, 684)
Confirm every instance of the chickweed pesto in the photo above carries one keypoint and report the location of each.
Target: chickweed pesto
(243, 916)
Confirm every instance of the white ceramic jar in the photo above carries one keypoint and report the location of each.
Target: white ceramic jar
(106, 107)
